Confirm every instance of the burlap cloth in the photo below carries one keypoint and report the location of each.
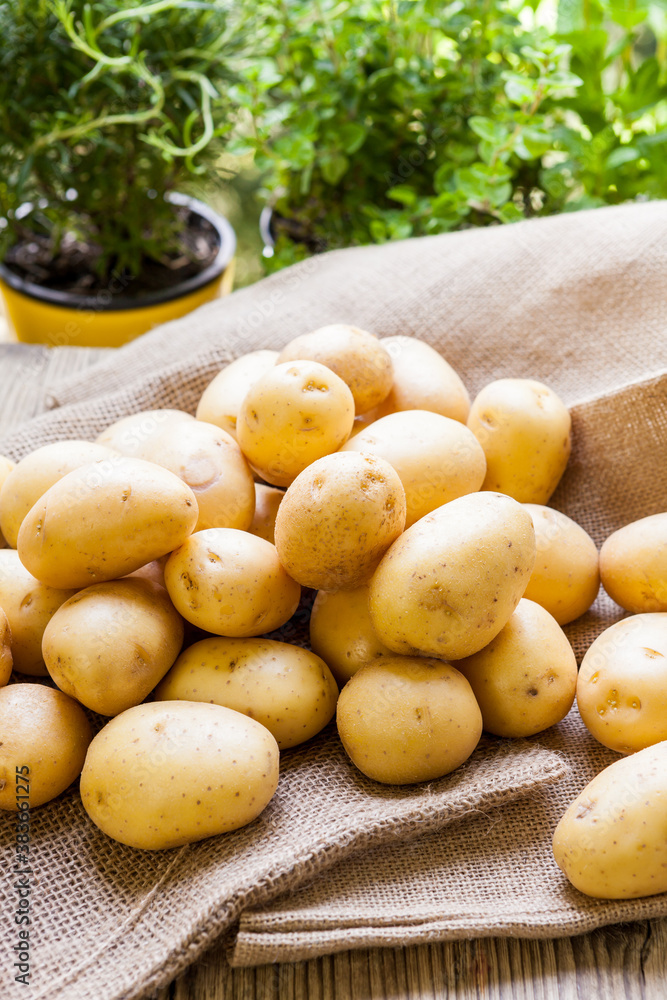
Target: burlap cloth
(577, 301)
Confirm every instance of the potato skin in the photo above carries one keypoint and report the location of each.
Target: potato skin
(342, 633)
(6, 466)
(34, 474)
(423, 380)
(130, 435)
(525, 679)
(45, 730)
(437, 458)
(221, 399)
(110, 644)
(633, 565)
(267, 502)
(525, 431)
(230, 583)
(622, 684)
(449, 584)
(170, 773)
(294, 414)
(355, 355)
(611, 841)
(566, 578)
(105, 520)
(6, 659)
(403, 720)
(337, 519)
(289, 690)
(29, 606)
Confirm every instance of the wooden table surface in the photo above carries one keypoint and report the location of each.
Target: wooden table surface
(623, 961)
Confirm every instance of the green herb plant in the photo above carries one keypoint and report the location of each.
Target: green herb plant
(375, 121)
(106, 107)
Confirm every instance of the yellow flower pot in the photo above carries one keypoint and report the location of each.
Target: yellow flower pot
(39, 315)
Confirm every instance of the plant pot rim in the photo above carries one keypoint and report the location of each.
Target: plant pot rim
(105, 302)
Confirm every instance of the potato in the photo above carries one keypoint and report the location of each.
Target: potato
(611, 842)
(355, 355)
(5, 649)
(221, 400)
(105, 520)
(29, 606)
(34, 474)
(267, 502)
(170, 773)
(131, 434)
(231, 583)
(423, 380)
(633, 565)
(565, 579)
(449, 584)
(437, 458)
(524, 429)
(6, 466)
(622, 684)
(294, 414)
(289, 690)
(153, 571)
(110, 644)
(342, 633)
(525, 679)
(45, 735)
(404, 719)
(212, 465)
(337, 519)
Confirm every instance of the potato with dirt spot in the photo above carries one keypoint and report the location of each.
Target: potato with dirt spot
(170, 773)
(405, 719)
(289, 690)
(46, 732)
(611, 842)
(296, 413)
(36, 473)
(221, 400)
(449, 584)
(525, 431)
(622, 684)
(423, 380)
(525, 679)
(355, 355)
(6, 660)
(29, 606)
(342, 633)
(633, 565)
(105, 520)
(231, 583)
(338, 518)
(110, 644)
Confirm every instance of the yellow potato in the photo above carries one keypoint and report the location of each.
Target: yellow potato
(423, 380)
(212, 465)
(355, 355)
(337, 519)
(525, 679)
(267, 502)
(294, 414)
(110, 644)
(611, 842)
(449, 584)
(404, 719)
(231, 583)
(342, 633)
(171, 773)
(565, 579)
(105, 520)
(153, 571)
(38, 471)
(633, 565)
(5, 649)
(29, 606)
(289, 690)
(437, 458)
(130, 435)
(6, 466)
(45, 735)
(221, 400)
(622, 684)
(524, 429)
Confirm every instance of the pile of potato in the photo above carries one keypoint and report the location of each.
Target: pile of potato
(144, 572)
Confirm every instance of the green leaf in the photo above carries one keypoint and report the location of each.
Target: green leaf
(486, 128)
(352, 137)
(297, 150)
(404, 194)
(519, 89)
(618, 157)
(333, 166)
